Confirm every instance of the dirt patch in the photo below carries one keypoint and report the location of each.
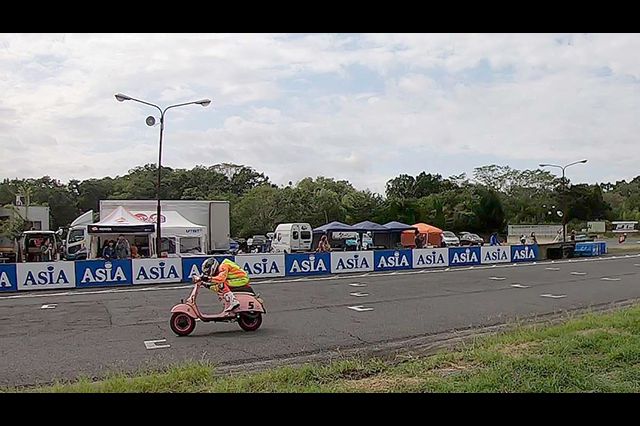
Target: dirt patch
(383, 383)
(608, 330)
(452, 368)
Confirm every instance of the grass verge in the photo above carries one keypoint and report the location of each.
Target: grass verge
(590, 353)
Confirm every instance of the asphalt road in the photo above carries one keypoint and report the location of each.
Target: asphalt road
(92, 332)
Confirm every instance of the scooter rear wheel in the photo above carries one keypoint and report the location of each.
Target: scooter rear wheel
(250, 322)
(182, 324)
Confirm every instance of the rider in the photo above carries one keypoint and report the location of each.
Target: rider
(223, 277)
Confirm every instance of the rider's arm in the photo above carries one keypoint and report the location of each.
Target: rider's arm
(223, 271)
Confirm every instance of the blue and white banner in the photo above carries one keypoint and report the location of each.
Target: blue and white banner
(386, 260)
(191, 265)
(103, 273)
(46, 275)
(8, 277)
(351, 261)
(524, 253)
(464, 256)
(157, 271)
(262, 265)
(495, 254)
(430, 258)
(307, 264)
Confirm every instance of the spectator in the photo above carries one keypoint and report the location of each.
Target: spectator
(573, 235)
(534, 240)
(622, 238)
(523, 239)
(123, 249)
(108, 252)
(494, 240)
(47, 251)
(134, 251)
(419, 240)
(323, 245)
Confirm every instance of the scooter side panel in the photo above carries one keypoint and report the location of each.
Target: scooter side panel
(248, 303)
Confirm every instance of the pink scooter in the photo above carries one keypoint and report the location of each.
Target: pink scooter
(248, 314)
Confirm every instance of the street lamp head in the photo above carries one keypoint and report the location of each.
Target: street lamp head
(583, 161)
(543, 165)
(121, 98)
(204, 102)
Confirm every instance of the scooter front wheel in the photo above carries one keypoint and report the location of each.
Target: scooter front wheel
(250, 322)
(182, 324)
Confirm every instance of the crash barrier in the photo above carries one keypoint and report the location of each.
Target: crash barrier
(102, 273)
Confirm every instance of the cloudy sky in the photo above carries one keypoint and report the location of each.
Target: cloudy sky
(362, 107)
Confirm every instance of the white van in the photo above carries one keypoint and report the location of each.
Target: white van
(292, 237)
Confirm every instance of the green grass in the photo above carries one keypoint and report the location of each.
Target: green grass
(591, 353)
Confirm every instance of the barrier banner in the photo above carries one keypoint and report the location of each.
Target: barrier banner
(495, 254)
(464, 256)
(430, 258)
(262, 265)
(103, 273)
(8, 277)
(524, 253)
(157, 270)
(351, 261)
(387, 260)
(46, 275)
(307, 264)
(191, 265)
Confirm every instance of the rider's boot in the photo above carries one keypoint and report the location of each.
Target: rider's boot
(232, 302)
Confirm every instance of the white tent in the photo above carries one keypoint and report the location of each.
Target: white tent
(174, 225)
(118, 222)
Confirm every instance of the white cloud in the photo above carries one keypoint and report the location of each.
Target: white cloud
(295, 106)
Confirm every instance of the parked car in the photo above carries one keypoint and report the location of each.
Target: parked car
(469, 239)
(450, 239)
(234, 246)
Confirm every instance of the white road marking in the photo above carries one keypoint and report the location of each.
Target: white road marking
(153, 344)
(578, 273)
(50, 306)
(610, 279)
(360, 308)
(497, 278)
(554, 296)
(552, 269)
(519, 286)
(357, 285)
(358, 294)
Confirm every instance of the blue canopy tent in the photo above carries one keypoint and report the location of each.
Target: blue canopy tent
(328, 229)
(395, 233)
(368, 226)
(398, 226)
(334, 227)
(375, 230)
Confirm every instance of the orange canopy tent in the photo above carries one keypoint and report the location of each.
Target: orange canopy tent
(434, 235)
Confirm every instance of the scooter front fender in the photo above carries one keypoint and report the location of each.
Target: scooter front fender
(183, 307)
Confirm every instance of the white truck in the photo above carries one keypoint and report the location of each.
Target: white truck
(212, 215)
(292, 237)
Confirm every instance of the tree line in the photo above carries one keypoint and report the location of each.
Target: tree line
(492, 197)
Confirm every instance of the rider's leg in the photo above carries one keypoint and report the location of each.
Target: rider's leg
(230, 298)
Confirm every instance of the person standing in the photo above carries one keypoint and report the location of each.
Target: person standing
(418, 240)
(534, 240)
(494, 241)
(109, 252)
(123, 248)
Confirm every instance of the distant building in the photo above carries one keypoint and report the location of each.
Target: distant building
(38, 216)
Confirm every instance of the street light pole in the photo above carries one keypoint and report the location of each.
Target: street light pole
(150, 121)
(564, 206)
